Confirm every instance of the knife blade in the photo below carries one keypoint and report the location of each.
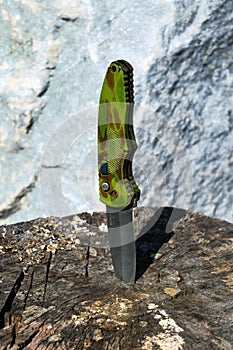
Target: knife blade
(122, 243)
(116, 147)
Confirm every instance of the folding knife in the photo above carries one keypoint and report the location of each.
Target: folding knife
(116, 146)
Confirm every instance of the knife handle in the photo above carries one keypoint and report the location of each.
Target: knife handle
(116, 138)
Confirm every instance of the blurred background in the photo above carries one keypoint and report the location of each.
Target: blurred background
(53, 59)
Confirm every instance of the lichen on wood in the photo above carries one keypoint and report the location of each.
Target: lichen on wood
(58, 289)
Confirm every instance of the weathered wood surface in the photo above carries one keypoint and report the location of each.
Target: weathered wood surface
(58, 290)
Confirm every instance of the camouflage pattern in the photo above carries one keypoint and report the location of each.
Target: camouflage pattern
(116, 139)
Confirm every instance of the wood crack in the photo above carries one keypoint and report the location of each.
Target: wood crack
(13, 334)
(101, 312)
(47, 276)
(87, 259)
(28, 340)
(10, 299)
(29, 289)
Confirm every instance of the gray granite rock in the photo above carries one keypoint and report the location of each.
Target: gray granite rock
(53, 60)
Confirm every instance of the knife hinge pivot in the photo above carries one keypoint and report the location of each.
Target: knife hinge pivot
(105, 186)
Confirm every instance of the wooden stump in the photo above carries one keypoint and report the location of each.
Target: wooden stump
(58, 289)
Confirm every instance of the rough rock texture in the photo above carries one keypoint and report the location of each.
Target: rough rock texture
(58, 290)
(53, 60)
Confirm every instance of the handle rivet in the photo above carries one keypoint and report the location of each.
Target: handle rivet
(114, 194)
(105, 186)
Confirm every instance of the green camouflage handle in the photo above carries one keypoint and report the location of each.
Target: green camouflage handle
(116, 139)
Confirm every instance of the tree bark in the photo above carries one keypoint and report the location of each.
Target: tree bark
(58, 289)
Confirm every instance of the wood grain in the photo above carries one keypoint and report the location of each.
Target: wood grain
(58, 290)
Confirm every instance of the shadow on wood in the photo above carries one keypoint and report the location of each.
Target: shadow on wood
(157, 231)
(58, 289)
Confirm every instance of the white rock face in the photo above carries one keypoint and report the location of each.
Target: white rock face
(53, 60)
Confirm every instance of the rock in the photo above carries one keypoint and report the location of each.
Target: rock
(68, 298)
(53, 60)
